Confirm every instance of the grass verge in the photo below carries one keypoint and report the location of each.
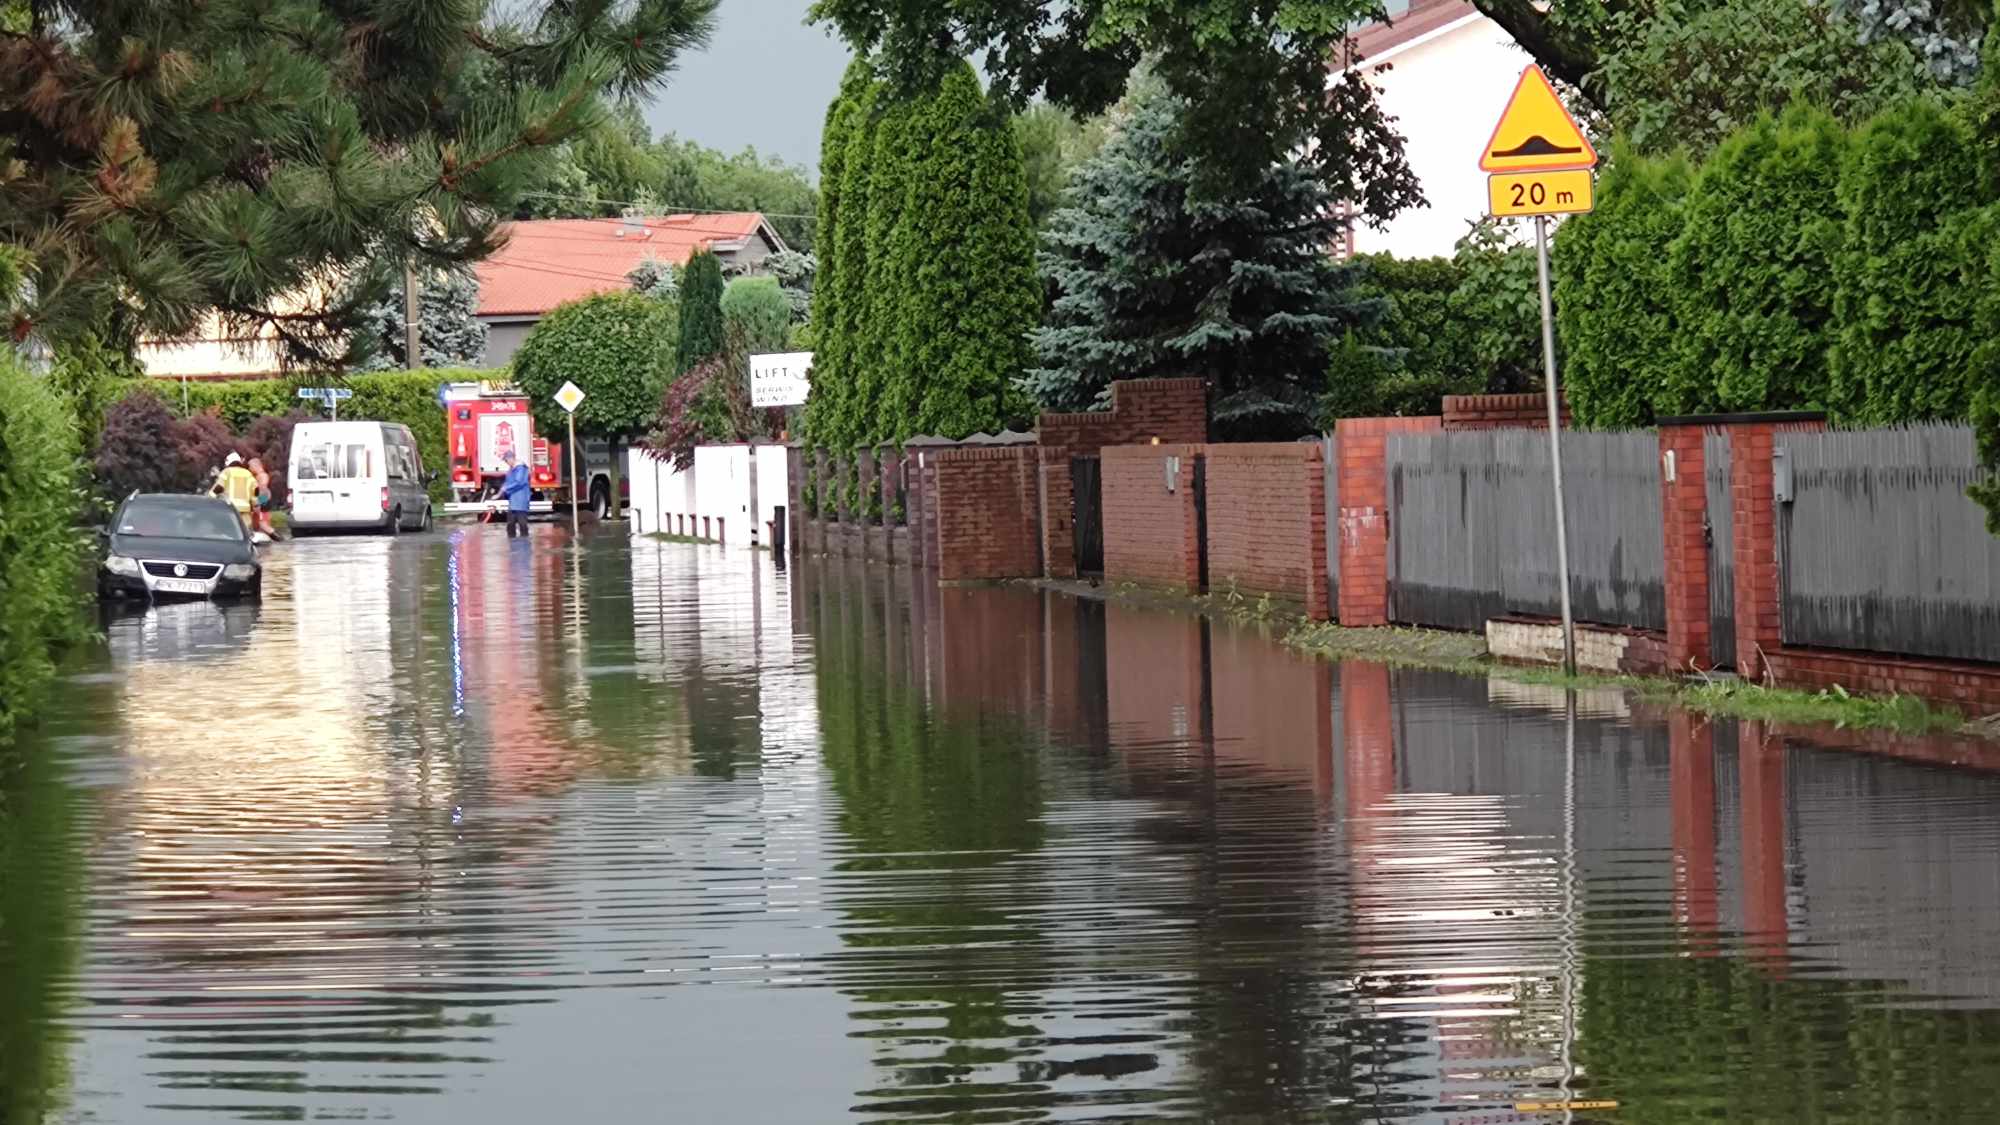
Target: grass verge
(1466, 653)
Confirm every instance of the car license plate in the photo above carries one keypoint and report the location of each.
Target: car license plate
(179, 586)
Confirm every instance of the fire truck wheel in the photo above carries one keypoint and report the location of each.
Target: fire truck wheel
(600, 500)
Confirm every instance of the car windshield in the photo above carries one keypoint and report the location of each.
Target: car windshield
(179, 521)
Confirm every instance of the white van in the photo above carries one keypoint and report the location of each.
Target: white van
(357, 475)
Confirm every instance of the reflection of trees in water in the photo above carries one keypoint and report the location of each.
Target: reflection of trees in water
(935, 807)
(41, 885)
(1706, 1038)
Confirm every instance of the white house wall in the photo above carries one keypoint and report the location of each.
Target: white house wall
(1446, 91)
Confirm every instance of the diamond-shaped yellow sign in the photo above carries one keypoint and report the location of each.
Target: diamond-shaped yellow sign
(569, 397)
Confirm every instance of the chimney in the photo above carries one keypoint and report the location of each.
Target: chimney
(630, 224)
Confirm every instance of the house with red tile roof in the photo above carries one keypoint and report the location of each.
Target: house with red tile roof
(546, 262)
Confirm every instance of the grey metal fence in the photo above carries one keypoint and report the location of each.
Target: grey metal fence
(1721, 551)
(1880, 548)
(1472, 528)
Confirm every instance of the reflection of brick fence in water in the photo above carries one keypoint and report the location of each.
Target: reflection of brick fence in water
(1757, 542)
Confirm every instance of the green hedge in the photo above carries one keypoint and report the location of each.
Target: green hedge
(1751, 273)
(1912, 268)
(408, 397)
(42, 554)
(1613, 298)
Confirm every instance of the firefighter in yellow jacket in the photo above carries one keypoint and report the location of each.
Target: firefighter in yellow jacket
(238, 485)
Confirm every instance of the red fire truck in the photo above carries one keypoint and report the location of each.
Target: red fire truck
(483, 421)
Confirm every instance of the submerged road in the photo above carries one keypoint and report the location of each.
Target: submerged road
(453, 829)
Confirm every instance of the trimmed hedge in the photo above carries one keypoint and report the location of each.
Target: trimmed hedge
(1613, 298)
(1752, 271)
(1912, 270)
(42, 554)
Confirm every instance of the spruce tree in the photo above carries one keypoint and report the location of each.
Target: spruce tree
(700, 312)
(450, 331)
(966, 266)
(168, 161)
(1153, 281)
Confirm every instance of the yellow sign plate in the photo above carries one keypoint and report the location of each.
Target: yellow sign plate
(1539, 193)
(1535, 132)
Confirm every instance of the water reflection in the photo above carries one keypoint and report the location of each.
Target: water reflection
(453, 827)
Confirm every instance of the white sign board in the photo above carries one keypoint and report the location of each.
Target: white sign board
(779, 378)
(569, 397)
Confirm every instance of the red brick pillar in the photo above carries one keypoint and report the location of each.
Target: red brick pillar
(1058, 517)
(1759, 621)
(1364, 523)
(1758, 627)
(1684, 507)
(1363, 481)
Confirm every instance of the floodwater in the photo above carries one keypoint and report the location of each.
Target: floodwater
(451, 829)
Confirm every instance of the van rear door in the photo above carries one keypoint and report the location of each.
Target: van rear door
(335, 478)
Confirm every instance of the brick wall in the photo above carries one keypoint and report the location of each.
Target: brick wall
(1267, 521)
(1500, 412)
(1149, 531)
(1363, 527)
(986, 501)
(1173, 410)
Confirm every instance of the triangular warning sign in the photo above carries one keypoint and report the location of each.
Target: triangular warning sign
(1536, 132)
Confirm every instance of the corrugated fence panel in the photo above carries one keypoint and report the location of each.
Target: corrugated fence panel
(1472, 528)
(1880, 548)
(1721, 551)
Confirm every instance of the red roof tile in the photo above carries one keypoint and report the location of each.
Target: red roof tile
(548, 261)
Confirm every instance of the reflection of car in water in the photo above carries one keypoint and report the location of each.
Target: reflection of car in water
(136, 633)
(160, 545)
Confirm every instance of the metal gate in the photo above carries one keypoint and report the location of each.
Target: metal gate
(1201, 521)
(1721, 552)
(1087, 507)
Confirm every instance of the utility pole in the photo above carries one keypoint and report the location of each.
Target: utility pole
(413, 315)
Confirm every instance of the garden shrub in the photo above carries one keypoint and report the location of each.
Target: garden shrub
(1614, 308)
(1911, 270)
(1752, 269)
(42, 552)
(617, 347)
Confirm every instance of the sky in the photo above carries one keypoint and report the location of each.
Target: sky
(764, 81)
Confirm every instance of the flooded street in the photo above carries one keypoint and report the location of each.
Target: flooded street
(453, 829)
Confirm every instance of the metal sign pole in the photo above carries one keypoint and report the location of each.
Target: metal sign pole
(575, 525)
(1555, 438)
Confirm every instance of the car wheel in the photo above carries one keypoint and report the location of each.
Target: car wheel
(600, 501)
(396, 522)
(426, 525)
